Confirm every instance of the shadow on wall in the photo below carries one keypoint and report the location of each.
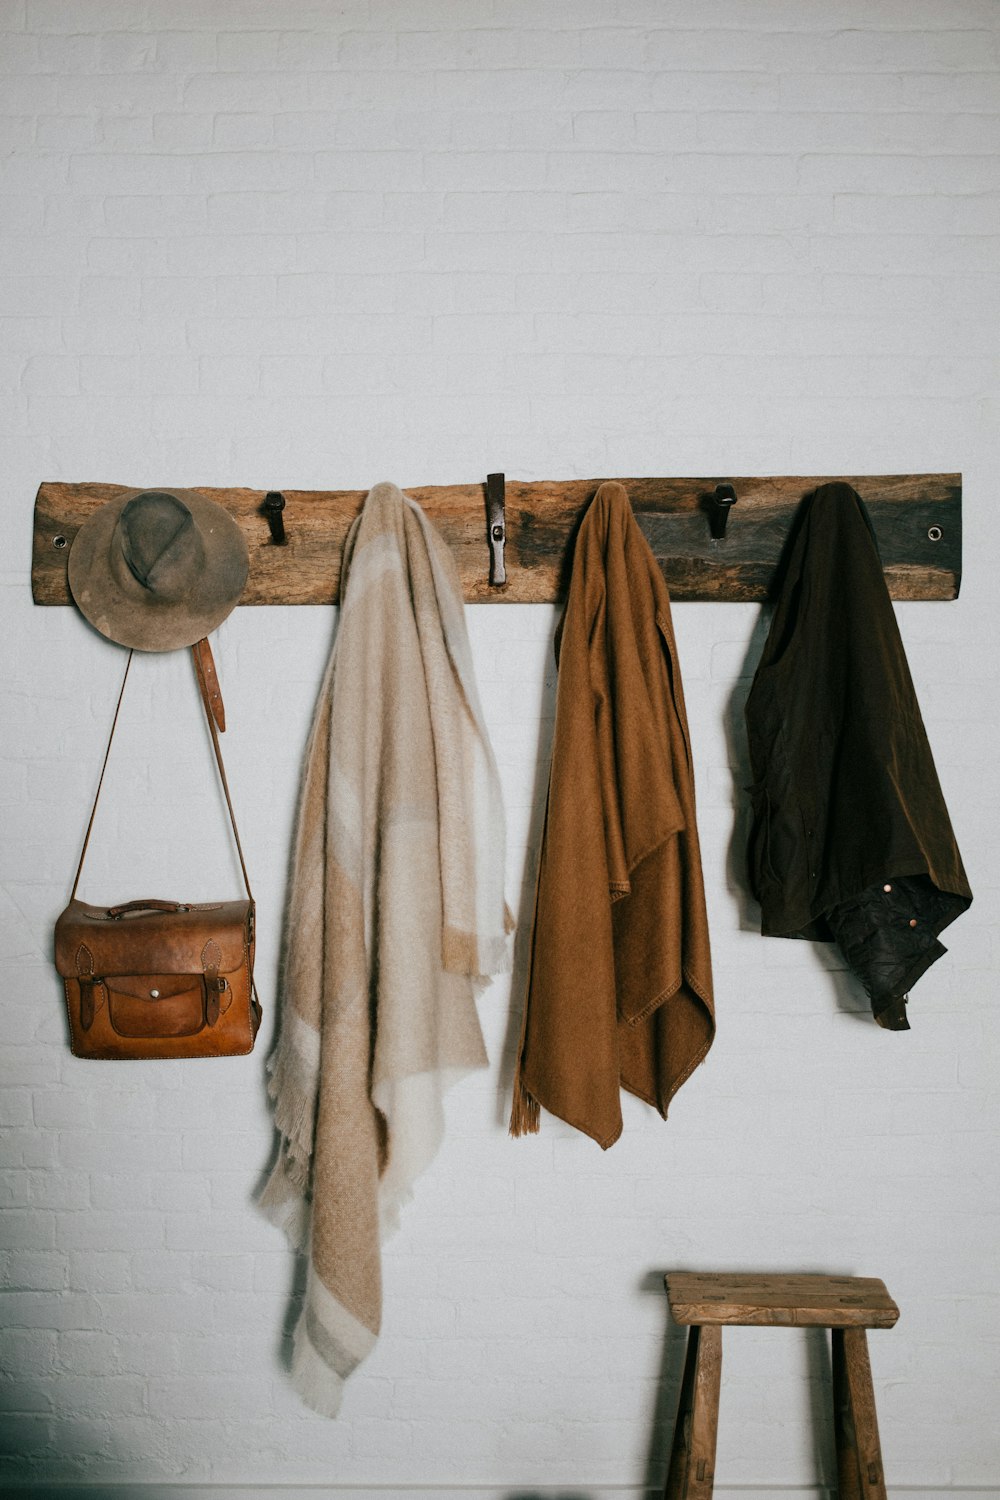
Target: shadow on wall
(668, 1390)
(71, 1491)
(739, 761)
(547, 1495)
(526, 905)
(44, 1456)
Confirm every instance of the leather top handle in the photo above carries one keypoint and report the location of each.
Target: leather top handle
(151, 905)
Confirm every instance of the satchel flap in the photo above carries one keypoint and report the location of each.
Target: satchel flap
(89, 941)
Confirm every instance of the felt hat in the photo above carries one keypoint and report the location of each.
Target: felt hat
(158, 569)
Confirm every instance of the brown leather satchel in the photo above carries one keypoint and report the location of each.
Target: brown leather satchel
(161, 979)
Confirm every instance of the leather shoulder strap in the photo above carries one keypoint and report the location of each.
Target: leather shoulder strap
(208, 682)
(100, 782)
(215, 713)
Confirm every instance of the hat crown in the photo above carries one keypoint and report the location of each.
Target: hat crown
(160, 543)
(157, 569)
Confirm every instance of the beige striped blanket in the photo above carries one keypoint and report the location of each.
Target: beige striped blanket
(396, 916)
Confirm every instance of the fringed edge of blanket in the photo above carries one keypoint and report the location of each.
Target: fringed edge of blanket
(294, 1115)
(525, 1112)
(285, 1198)
(286, 1206)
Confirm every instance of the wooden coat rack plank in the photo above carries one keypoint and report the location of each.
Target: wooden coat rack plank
(917, 519)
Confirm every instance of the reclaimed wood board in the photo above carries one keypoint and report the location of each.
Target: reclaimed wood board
(917, 519)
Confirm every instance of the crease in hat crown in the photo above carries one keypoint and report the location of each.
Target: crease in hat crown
(158, 541)
(158, 569)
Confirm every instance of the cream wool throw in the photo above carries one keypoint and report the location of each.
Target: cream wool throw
(396, 915)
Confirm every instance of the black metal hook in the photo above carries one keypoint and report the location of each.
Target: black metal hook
(274, 504)
(497, 524)
(719, 506)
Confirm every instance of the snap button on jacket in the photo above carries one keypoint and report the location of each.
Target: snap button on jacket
(851, 839)
(620, 984)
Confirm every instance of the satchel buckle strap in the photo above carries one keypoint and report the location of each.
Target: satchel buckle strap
(89, 982)
(215, 987)
(215, 984)
(93, 994)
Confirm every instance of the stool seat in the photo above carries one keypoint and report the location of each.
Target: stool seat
(708, 1301)
(781, 1301)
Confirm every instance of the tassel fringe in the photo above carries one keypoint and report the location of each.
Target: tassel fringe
(287, 1208)
(524, 1114)
(294, 1118)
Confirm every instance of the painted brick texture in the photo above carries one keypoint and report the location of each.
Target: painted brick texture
(322, 244)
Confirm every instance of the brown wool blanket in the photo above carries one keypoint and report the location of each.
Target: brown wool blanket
(396, 915)
(620, 980)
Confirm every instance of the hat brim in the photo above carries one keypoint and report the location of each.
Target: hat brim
(130, 615)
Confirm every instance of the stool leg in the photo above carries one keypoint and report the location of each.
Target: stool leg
(859, 1455)
(681, 1448)
(848, 1469)
(691, 1475)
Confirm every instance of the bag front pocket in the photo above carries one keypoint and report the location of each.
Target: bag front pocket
(154, 1005)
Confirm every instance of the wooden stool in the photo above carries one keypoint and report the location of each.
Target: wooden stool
(845, 1304)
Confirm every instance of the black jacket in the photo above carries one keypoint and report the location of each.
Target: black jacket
(851, 840)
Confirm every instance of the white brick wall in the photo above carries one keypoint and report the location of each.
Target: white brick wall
(316, 244)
